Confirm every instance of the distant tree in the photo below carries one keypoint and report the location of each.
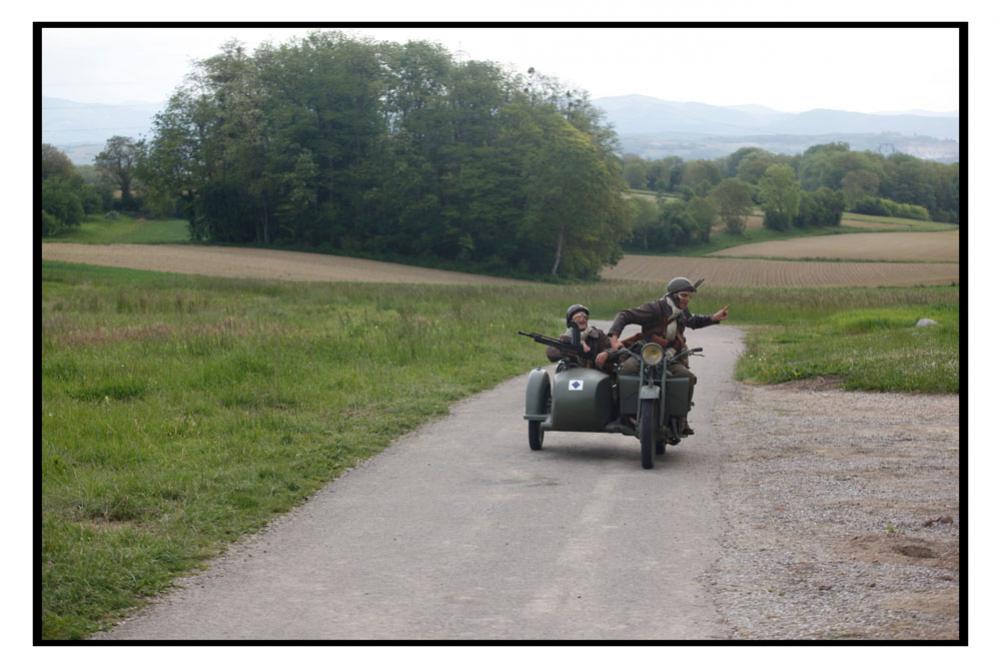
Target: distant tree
(780, 194)
(700, 176)
(703, 212)
(636, 172)
(118, 162)
(644, 219)
(61, 200)
(734, 199)
(56, 163)
(858, 184)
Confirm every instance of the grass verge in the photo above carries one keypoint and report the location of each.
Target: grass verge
(99, 230)
(181, 412)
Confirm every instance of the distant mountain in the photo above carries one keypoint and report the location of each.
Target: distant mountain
(655, 128)
(68, 124)
(639, 114)
(646, 126)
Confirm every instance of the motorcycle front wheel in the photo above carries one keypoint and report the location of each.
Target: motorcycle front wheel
(649, 421)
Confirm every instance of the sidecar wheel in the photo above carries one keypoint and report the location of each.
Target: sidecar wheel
(535, 435)
(649, 417)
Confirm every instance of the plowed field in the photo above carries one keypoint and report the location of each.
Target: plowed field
(776, 273)
(902, 246)
(258, 263)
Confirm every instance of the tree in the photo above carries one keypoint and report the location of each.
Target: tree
(703, 214)
(56, 163)
(858, 184)
(117, 162)
(701, 175)
(779, 192)
(734, 199)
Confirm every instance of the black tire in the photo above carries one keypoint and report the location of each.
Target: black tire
(661, 447)
(535, 435)
(649, 417)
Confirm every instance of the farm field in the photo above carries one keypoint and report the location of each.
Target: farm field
(259, 263)
(723, 272)
(903, 246)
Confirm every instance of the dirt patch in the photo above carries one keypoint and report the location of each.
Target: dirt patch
(842, 517)
(902, 246)
(258, 264)
(732, 272)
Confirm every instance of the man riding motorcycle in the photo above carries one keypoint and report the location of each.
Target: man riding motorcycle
(663, 321)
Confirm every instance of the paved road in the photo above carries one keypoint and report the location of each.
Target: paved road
(459, 531)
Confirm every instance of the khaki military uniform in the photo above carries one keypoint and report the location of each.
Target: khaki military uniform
(595, 339)
(662, 318)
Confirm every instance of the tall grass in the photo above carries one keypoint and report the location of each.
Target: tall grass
(180, 412)
(98, 229)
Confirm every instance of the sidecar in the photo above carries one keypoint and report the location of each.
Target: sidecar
(650, 405)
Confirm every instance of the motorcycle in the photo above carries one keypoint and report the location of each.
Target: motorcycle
(651, 406)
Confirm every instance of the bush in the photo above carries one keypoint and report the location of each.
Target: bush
(886, 207)
(61, 199)
(51, 225)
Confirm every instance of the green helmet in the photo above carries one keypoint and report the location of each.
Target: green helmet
(573, 310)
(682, 284)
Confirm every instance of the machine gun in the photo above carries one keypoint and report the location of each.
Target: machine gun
(569, 349)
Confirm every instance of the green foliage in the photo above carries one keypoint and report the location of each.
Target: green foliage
(734, 200)
(888, 208)
(66, 197)
(780, 196)
(856, 175)
(61, 200)
(117, 163)
(821, 208)
(338, 144)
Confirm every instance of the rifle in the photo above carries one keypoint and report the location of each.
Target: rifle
(561, 345)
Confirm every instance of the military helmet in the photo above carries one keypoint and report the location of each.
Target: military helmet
(682, 284)
(573, 310)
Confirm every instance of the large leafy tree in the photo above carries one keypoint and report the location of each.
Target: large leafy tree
(118, 162)
(734, 200)
(780, 194)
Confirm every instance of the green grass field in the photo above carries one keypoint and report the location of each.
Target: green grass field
(98, 229)
(181, 412)
(900, 224)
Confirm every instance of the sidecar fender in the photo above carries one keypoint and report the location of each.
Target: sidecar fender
(536, 397)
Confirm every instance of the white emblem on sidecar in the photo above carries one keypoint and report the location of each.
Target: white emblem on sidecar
(576, 385)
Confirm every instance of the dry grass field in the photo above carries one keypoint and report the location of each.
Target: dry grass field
(258, 263)
(902, 246)
(724, 272)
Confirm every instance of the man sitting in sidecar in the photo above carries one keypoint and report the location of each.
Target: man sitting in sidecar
(592, 341)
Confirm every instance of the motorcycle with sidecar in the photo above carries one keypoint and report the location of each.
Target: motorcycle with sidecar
(651, 405)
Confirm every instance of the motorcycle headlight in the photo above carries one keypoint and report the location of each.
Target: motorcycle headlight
(652, 354)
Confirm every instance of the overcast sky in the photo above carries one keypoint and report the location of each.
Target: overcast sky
(788, 69)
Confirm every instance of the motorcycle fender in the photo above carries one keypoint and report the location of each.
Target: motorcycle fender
(677, 396)
(648, 391)
(537, 395)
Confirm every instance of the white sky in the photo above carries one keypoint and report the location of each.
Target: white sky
(788, 69)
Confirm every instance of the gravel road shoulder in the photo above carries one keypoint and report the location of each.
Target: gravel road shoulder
(841, 514)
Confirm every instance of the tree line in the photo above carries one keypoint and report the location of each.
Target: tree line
(897, 185)
(335, 143)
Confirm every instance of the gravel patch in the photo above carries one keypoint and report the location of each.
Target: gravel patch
(841, 515)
